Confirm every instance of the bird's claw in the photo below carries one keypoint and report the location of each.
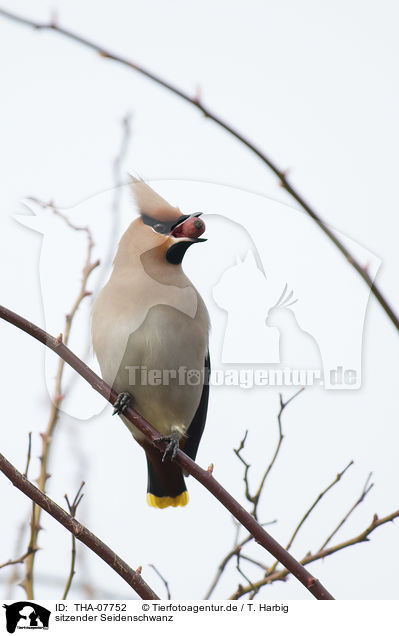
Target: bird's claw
(172, 446)
(121, 403)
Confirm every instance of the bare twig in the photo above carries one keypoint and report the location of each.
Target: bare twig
(29, 453)
(117, 170)
(310, 510)
(246, 466)
(14, 573)
(317, 501)
(48, 435)
(196, 102)
(77, 529)
(282, 575)
(203, 476)
(17, 561)
(72, 507)
(164, 581)
(254, 499)
(366, 489)
(283, 405)
(238, 568)
(233, 552)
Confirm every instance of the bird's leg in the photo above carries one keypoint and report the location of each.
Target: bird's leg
(172, 446)
(121, 403)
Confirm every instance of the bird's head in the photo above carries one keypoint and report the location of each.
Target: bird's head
(161, 228)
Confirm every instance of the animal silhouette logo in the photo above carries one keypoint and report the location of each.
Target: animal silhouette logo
(260, 329)
(26, 615)
(297, 348)
(243, 292)
(276, 246)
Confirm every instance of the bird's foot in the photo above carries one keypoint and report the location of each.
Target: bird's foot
(172, 446)
(121, 403)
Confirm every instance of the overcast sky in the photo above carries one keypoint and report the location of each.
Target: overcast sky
(315, 86)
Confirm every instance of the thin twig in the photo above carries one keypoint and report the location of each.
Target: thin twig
(28, 456)
(164, 581)
(238, 568)
(72, 507)
(282, 575)
(316, 502)
(48, 435)
(283, 405)
(205, 477)
(196, 102)
(14, 573)
(366, 489)
(247, 466)
(254, 499)
(310, 510)
(132, 577)
(17, 561)
(260, 565)
(117, 164)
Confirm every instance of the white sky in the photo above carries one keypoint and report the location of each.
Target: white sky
(313, 84)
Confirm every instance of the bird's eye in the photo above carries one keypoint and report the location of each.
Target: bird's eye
(160, 228)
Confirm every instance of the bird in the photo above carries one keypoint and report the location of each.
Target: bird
(150, 334)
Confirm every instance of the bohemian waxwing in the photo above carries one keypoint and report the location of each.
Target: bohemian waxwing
(150, 335)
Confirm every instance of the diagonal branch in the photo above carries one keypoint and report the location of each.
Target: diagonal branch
(79, 531)
(205, 477)
(265, 159)
(281, 575)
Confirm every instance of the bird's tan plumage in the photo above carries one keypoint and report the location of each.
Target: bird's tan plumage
(149, 315)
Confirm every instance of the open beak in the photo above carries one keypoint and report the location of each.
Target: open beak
(187, 231)
(189, 227)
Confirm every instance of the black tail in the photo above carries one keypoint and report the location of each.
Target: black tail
(166, 485)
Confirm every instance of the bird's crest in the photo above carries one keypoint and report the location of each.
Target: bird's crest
(151, 204)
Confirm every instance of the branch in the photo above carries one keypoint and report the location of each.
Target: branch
(196, 103)
(254, 499)
(316, 501)
(20, 559)
(48, 435)
(233, 552)
(84, 535)
(366, 489)
(164, 581)
(310, 510)
(117, 165)
(72, 507)
(281, 575)
(205, 477)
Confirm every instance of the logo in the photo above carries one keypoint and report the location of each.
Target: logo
(286, 309)
(26, 615)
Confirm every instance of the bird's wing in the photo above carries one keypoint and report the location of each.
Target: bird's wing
(196, 428)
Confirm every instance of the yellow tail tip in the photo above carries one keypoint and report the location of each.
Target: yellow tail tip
(165, 502)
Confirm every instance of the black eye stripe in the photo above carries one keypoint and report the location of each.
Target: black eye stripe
(162, 227)
(165, 227)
